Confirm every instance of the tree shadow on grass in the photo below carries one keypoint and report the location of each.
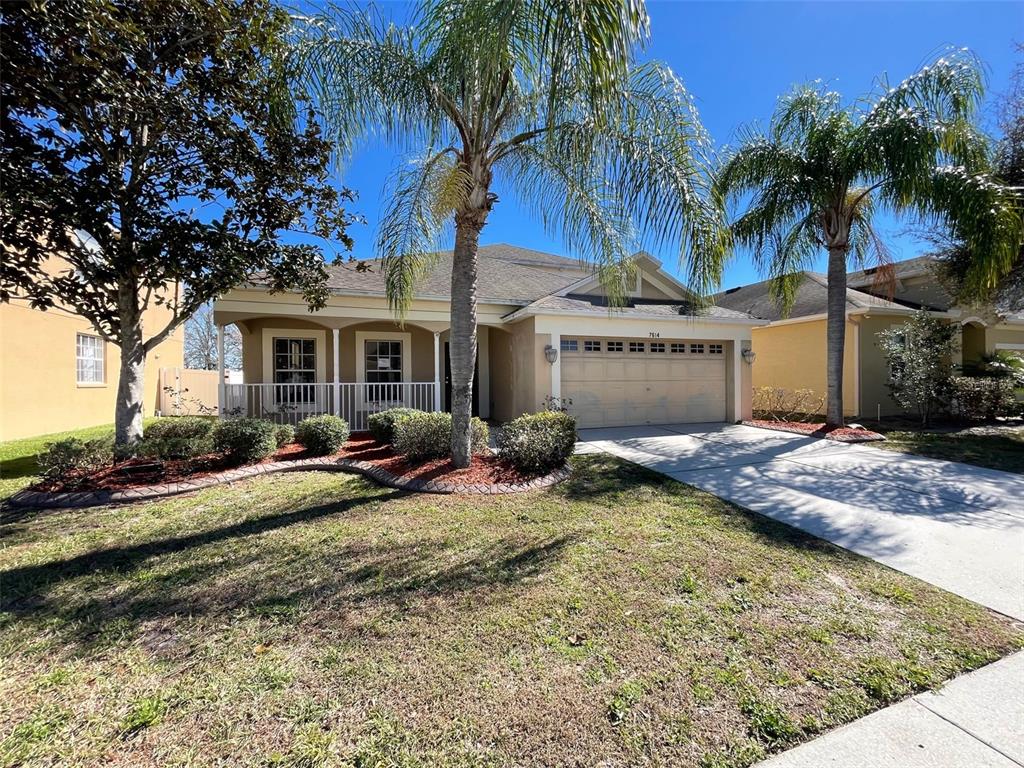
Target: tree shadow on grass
(18, 467)
(223, 571)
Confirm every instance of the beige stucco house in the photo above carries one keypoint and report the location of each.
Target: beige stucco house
(57, 374)
(790, 350)
(545, 331)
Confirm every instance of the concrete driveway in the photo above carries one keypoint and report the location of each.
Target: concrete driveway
(957, 526)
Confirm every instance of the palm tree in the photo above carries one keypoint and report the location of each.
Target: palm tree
(543, 94)
(823, 168)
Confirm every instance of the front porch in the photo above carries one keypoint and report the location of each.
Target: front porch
(297, 366)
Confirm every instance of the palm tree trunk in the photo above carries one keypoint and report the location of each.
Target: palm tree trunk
(462, 338)
(836, 334)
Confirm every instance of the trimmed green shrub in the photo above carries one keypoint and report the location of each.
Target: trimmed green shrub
(382, 424)
(538, 442)
(177, 437)
(983, 399)
(421, 436)
(244, 441)
(322, 435)
(60, 458)
(284, 434)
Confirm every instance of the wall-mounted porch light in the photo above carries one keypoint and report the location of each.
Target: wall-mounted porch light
(749, 356)
(550, 354)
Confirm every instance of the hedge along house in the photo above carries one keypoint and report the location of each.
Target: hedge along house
(544, 331)
(791, 349)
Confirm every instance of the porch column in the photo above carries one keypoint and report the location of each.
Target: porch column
(337, 372)
(221, 404)
(437, 371)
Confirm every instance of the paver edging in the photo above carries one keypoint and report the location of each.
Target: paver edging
(80, 499)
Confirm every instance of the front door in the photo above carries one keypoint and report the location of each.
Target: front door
(448, 382)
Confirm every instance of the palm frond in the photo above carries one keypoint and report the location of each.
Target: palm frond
(570, 206)
(424, 196)
(791, 251)
(925, 121)
(368, 77)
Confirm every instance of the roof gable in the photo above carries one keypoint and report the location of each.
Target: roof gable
(652, 282)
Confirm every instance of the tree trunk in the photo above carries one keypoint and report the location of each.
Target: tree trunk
(128, 408)
(836, 334)
(462, 337)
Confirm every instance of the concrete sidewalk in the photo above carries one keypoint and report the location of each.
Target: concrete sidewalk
(975, 721)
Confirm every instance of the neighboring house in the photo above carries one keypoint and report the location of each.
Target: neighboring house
(545, 331)
(791, 350)
(57, 374)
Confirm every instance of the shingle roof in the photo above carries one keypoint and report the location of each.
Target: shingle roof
(575, 302)
(499, 278)
(866, 277)
(508, 274)
(811, 299)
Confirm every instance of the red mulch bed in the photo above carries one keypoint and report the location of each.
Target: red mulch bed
(818, 429)
(482, 469)
(360, 446)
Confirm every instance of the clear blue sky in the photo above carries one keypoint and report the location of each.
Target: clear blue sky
(737, 57)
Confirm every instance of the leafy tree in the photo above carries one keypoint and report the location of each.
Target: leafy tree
(544, 96)
(143, 167)
(920, 357)
(201, 342)
(823, 167)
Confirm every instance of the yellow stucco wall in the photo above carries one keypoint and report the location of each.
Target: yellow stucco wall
(995, 336)
(39, 393)
(792, 356)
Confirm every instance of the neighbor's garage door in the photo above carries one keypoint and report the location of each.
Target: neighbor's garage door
(621, 382)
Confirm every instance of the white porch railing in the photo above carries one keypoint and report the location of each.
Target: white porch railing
(291, 403)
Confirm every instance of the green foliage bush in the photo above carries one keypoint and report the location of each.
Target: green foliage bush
(284, 434)
(919, 354)
(322, 435)
(59, 459)
(983, 399)
(382, 424)
(538, 442)
(178, 437)
(422, 436)
(244, 441)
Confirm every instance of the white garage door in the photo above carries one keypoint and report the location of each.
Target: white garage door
(622, 382)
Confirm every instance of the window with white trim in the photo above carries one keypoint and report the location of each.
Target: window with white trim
(696, 349)
(614, 346)
(383, 362)
(677, 349)
(591, 346)
(570, 345)
(294, 364)
(89, 359)
(715, 349)
(636, 346)
(657, 346)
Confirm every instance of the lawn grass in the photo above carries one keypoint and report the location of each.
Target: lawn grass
(315, 619)
(18, 457)
(1002, 449)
